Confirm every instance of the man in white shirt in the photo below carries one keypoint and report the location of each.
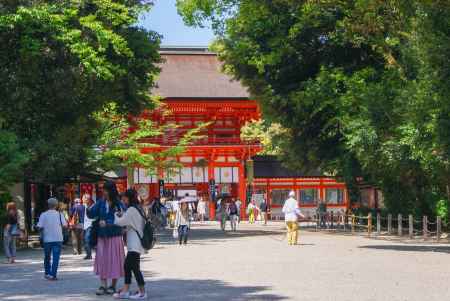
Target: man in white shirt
(51, 224)
(291, 214)
(87, 226)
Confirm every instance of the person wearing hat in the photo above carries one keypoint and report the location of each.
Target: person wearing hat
(51, 224)
(291, 214)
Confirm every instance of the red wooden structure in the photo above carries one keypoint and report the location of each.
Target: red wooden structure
(195, 90)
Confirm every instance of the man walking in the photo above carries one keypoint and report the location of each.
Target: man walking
(322, 212)
(264, 211)
(291, 214)
(51, 224)
(76, 220)
(87, 227)
(233, 214)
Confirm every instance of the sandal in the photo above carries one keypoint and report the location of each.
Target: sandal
(101, 291)
(110, 290)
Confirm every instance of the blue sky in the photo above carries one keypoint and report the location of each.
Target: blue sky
(165, 20)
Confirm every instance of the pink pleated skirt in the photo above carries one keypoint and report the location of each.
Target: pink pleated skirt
(109, 258)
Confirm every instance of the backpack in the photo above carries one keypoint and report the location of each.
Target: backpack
(233, 209)
(148, 239)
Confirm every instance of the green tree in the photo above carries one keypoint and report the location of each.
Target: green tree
(131, 141)
(61, 61)
(11, 160)
(362, 85)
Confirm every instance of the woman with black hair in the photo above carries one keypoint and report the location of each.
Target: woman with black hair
(133, 220)
(109, 258)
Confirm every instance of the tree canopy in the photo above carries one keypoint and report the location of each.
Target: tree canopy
(362, 85)
(61, 61)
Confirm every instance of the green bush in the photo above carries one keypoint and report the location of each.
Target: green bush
(442, 210)
(5, 197)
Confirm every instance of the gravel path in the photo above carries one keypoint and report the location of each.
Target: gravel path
(255, 263)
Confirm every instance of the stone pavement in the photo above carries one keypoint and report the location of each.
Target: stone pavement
(255, 263)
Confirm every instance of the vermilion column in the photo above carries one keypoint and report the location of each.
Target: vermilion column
(242, 189)
(212, 207)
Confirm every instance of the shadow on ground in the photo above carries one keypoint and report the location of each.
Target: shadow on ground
(24, 282)
(409, 248)
(198, 235)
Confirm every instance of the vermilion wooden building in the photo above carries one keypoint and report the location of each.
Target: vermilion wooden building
(195, 91)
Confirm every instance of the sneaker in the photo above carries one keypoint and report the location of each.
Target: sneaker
(51, 278)
(101, 291)
(139, 296)
(110, 290)
(122, 295)
(47, 276)
(87, 258)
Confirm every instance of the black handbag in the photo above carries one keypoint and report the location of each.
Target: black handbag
(94, 234)
(65, 231)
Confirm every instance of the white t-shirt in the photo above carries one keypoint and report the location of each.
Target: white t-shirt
(291, 210)
(238, 204)
(87, 221)
(201, 207)
(50, 221)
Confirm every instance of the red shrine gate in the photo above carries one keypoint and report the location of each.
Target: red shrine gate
(195, 91)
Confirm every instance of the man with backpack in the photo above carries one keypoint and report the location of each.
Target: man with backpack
(139, 233)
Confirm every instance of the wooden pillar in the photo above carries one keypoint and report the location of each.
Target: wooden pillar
(378, 223)
(438, 228)
(400, 225)
(411, 225)
(389, 224)
(212, 205)
(425, 227)
(345, 221)
(353, 223)
(242, 190)
(332, 220)
(369, 224)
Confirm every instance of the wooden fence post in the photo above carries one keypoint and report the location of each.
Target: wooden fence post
(438, 228)
(318, 221)
(378, 223)
(400, 225)
(411, 226)
(425, 227)
(345, 221)
(353, 223)
(389, 224)
(369, 224)
(332, 220)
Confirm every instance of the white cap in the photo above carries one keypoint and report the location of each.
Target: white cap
(292, 193)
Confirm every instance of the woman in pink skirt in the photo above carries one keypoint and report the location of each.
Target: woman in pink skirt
(110, 255)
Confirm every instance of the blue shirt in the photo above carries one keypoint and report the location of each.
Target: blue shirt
(101, 211)
(78, 209)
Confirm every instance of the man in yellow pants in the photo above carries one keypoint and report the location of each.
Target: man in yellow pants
(291, 214)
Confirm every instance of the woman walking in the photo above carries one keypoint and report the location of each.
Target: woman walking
(133, 220)
(251, 211)
(201, 209)
(10, 232)
(223, 212)
(182, 222)
(109, 258)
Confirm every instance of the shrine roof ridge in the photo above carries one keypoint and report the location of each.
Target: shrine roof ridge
(195, 72)
(200, 50)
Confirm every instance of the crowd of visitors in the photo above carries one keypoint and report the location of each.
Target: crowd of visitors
(114, 221)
